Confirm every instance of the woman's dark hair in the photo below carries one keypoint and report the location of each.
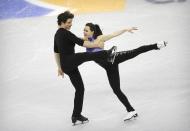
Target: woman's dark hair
(95, 28)
(64, 16)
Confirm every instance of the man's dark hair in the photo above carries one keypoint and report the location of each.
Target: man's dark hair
(64, 16)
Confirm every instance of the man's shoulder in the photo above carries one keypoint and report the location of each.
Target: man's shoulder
(61, 32)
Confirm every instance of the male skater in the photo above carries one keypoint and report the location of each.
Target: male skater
(68, 61)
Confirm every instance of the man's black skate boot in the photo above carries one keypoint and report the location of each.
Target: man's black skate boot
(79, 118)
(111, 54)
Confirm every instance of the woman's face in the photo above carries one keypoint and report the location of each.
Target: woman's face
(87, 32)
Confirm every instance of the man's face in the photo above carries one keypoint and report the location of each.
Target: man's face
(68, 24)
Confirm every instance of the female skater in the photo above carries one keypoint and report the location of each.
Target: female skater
(93, 32)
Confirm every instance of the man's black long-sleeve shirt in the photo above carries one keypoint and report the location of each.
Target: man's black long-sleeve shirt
(64, 42)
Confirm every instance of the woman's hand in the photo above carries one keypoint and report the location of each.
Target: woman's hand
(132, 29)
(100, 43)
(60, 72)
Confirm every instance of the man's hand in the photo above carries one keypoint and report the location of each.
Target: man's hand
(132, 29)
(100, 43)
(60, 72)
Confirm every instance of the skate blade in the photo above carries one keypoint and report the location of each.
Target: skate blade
(165, 43)
(114, 55)
(133, 117)
(80, 123)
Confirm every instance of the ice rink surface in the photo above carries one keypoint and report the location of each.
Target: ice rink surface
(33, 98)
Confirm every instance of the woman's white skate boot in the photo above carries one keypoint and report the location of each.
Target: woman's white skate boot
(161, 44)
(130, 115)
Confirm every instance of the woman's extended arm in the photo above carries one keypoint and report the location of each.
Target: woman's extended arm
(105, 38)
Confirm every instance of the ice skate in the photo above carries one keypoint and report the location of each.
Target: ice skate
(112, 54)
(161, 44)
(130, 115)
(80, 118)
